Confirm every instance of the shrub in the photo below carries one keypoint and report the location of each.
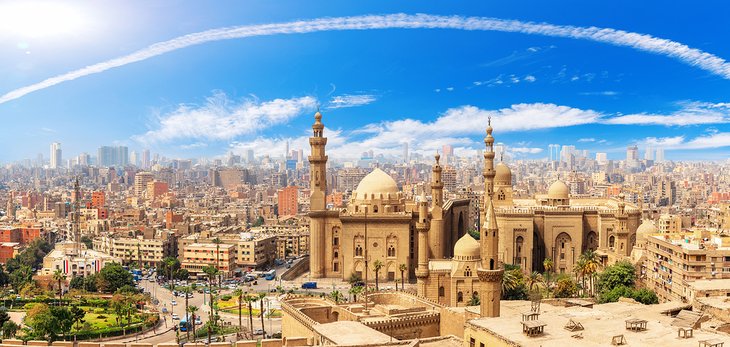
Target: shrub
(226, 297)
(101, 316)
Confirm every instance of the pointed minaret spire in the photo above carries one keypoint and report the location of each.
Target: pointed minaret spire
(317, 198)
(422, 226)
(490, 270)
(439, 248)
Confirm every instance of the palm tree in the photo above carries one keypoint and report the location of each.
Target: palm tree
(186, 291)
(548, 265)
(533, 280)
(510, 280)
(377, 265)
(355, 291)
(59, 276)
(218, 242)
(580, 272)
(336, 295)
(193, 309)
(170, 263)
(249, 301)
(592, 264)
(262, 295)
(210, 271)
(239, 293)
(403, 268)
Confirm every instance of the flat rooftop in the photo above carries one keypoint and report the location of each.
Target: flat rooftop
(600, 323)
(350, 333)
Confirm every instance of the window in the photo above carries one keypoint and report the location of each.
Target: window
(467, 272)
(336, 255)
(375, 209)
(611, 241)
(441, 291)
(472, 343)
(358, 251)
(336, 267)
(336, 241)
(391, 251)
(459, 297)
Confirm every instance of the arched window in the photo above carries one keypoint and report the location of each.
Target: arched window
(441, 291)
(335, 241)
(519, 241)
(391, 251)
(501, 195)
(459, 297)
(358, 251)
(336, 267)
(611, 241)
(467, 272)
(336, 254)
(375, 209)
(491, 264)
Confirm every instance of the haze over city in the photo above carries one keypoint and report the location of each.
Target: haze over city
(423, 174)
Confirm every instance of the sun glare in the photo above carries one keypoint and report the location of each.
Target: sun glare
(37, 19)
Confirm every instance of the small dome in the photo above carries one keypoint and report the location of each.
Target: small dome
(558, 190)
(646, 228)
(503, 175)
(377, 182)
(466, 248)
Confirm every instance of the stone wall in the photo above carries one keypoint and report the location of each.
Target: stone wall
(286, 342)
(301, 267)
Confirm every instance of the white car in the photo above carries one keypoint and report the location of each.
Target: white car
(173, 302)
(175, 316)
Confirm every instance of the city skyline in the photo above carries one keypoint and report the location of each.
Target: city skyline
(381, 89)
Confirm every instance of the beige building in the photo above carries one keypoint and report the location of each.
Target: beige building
(75, 260)
(378, 223)
(141, 179)
(149, 250)
(669, 224)
(196, 256)
(671, 263)
(294, 244)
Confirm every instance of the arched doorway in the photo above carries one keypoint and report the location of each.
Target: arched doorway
(591, 241)
(564, 252)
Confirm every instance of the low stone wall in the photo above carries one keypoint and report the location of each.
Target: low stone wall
(301, 267)
(285, 342)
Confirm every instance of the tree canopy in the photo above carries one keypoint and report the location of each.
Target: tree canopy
(112, 277)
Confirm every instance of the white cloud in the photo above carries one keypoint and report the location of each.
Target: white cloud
(526, 150)
(588, 139)
(663, 141)
(601, 93)
(711, 140)
(530, 78)
(642, 42)
(450, 89)
(194, 145)
(223, 119)
(343, 101)
(691, 113)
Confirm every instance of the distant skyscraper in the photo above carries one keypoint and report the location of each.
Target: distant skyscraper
(146, 159)
(113, 156)
(601, 158)
(500, 149)
(133, 158)
(649, 154)
(83, 159)
(632, 153)
(659, 155)
(448, 153)
(286, 152)
(405, 152)
(565, 154)
(249, 156)
(56, 160)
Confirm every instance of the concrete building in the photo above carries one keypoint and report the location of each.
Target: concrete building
(75, 260)
(669, 224)
(56, 157)
(196, 256)
(141, 179)
(132, 250)
(288, 201)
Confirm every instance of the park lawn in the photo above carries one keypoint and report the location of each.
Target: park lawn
(109, 320)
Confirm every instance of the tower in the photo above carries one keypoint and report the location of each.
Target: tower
(422, 226)
(318, 194)
(490, 270)
(56, 155)
(436, 236)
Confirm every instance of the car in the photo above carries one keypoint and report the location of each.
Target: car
(309, 285)
(198, 321)
(190, 295)
(358, 284)
(173, 303)
(258, 332)
(175, 316)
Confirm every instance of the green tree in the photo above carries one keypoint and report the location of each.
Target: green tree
(218, 242)
(355, 291)
(249, 301)
(113, 276)
(193, 310)
(239, 294)
(377, 265)
(4, 316)
(78, 315)
(20, 277)
(646, 296)
(181, 275)
(403, 268)
(354, 278)
(565, 287)
(64, 320)
(474, 301)
(474, 234)
(620, 274)
(9, 329)
(336, 296)
(76, 283)
(59, 277)
(186, 291)
(513, 285)
(547, 264)
(259, 221)
(533, 280)
(168, 267)
(90, 283)
(591, 264)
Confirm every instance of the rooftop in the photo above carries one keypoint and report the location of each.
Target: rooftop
(351, 333)
(600, 323)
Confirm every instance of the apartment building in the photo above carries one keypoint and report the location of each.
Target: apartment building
(149, 249)
(674, 261)
(196, 256)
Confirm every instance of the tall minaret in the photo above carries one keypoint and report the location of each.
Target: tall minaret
(317, 199)
(490, 270)
(422, 226)
(436, 235)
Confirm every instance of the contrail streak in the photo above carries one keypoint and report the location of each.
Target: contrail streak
(642, 42)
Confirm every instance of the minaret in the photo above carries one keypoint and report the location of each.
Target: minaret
(422, 226)
(490, 270)
(436, 235)
(317, 199)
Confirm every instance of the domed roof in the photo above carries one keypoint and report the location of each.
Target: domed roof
(558, 190)
(466, 248)
(503, 174)
(377, 182)
(646, 228)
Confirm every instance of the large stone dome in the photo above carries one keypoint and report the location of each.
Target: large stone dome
(377, 182)
(558, 190)
(466, 248)
(646, 228)
(503, 175)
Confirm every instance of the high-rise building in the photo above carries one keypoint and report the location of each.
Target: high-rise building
(249, 156)
(113, 156)
(659, 155)
(133, 158)
(601, 158)
(405, 152)
(288, 201)
(140, 182)
(566, 153)
(448, 153)
(146, 159)
(56, 161)
(632, 153)
(649, 154)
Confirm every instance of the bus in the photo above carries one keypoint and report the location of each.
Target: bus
(270, 275)
(185, 324)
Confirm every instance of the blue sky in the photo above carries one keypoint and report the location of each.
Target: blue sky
(376, 88)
